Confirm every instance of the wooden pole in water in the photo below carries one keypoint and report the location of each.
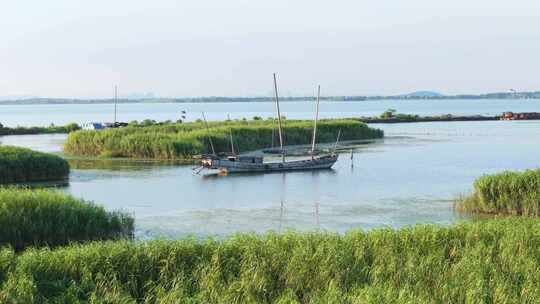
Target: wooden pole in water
(280, 131)
(315, 123)
(208, 131)
(115, 102)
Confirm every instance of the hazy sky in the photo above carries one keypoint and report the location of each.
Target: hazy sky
(75, 48)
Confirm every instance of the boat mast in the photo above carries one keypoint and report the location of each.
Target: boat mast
(273, 131)
(337, 141)
(232, 142)
(208, 133)
(315, 123)
(280, 131)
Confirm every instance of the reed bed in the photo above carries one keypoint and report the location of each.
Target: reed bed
(51, 218)
(183, 140)
(18, 165)
(513, 193)
(494, 261)
(39, 130)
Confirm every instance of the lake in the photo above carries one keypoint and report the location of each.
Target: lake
(412, 176)
(44, 115)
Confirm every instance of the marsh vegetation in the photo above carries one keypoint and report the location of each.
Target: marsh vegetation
(34, 217)
(52, 129)
(493, 261)
(21, 165)
(183, 140)
(510, 192)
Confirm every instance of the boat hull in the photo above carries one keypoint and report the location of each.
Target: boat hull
(318, 163)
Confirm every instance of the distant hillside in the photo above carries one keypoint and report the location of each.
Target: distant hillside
(424, 94)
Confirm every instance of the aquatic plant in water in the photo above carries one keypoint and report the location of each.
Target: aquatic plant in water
(513, 193)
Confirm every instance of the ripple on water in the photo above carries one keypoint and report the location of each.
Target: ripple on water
(297, 216)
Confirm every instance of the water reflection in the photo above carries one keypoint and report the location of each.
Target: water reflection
(37, 185)
(120, 164)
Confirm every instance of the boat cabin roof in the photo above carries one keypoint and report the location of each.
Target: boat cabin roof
(250, 159)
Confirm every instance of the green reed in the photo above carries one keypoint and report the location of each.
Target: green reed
(183, 140)
(494, 261)
(515, 193)
(24, 165)
(51, 218)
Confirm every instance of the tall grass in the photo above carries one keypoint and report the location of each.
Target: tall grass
(183, 140)
(516, 193)
(51, 218)
(24, 165)
(495, 261)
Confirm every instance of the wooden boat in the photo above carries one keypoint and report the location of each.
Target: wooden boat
(233, 163)
(239, 164)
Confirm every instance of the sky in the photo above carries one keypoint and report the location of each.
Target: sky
(81, 49)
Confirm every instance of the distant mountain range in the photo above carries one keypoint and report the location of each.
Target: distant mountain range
(149, 98)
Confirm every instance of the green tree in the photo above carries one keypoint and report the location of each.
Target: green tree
(390, 113)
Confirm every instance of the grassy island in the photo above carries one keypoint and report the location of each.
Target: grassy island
(494, 261)
(51, 218)
(513, 193)
(391, 116)
(183, 140)
(38, 130)
(20, 165)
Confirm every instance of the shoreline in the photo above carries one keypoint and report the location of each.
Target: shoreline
(395, 119)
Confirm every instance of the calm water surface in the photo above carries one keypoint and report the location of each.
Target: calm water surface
(410, 177)
(44, 115)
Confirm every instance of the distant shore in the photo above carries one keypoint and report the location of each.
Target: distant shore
(221, 99)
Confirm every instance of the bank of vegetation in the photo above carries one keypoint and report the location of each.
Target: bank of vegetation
(392, 116)
(183, 140)
(33, 217)
(512, 193)
(38, 130)
(494, 261)
(20, 165)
